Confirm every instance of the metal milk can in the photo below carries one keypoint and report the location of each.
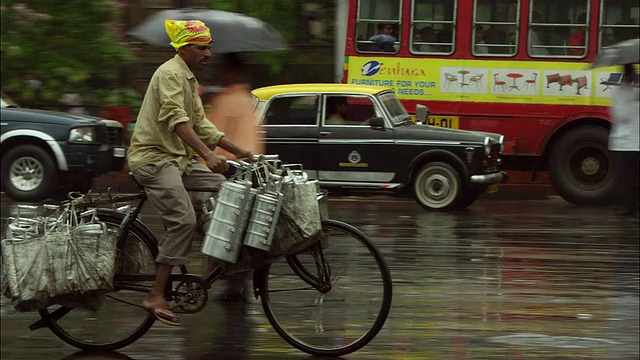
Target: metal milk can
(224, 226)
(264, 215)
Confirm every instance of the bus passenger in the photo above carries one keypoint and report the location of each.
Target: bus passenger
(557, 37)
(384, 40)
(480, 47)
(578, 38)
(444, 36)
(427, 35)
(417, 38)
(535, 43)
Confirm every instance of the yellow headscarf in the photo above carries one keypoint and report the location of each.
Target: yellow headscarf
(187, 32)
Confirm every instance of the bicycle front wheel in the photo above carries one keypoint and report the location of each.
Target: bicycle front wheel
(333, 298)
(121, 320)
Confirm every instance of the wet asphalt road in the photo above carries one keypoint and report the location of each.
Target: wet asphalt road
(535, 279)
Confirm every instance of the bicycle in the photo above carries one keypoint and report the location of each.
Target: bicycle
(309, 278)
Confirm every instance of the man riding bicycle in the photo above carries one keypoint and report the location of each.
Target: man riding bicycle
(171, 124)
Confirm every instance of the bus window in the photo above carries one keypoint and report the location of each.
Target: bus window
(434, 23)
(558, 29)
(495, 25)
(378, 24)
(619, 21)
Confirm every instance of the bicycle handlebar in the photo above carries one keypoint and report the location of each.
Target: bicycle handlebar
(241, 164)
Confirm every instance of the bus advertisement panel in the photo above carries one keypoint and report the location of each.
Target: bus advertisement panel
(516, 82)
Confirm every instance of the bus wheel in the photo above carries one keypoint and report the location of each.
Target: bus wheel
(579, 166)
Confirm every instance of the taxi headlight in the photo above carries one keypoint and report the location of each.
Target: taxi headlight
(82, 134)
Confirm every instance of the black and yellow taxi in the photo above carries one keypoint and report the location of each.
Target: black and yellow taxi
(361, 137)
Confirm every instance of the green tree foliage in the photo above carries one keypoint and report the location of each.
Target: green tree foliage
(59, 47)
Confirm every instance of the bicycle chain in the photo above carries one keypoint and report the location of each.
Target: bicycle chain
(190, 296)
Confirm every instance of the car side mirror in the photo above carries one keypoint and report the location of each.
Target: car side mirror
(422, 112)
(377, 123)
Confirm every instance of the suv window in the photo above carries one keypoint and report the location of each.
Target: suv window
(293, 110)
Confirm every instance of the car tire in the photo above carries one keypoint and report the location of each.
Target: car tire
(28, 173)
(437, 186)
(579, 167)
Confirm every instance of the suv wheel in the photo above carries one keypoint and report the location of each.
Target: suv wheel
(27, 173)
(437, 186)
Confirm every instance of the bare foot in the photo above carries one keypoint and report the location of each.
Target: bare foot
(155, 304)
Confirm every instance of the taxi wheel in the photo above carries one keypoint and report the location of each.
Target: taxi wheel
(437, 186)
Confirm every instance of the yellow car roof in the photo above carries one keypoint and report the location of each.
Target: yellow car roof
(267, 92)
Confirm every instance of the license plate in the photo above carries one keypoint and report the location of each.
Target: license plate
(492, 188)
(450, 122)
(118, 152)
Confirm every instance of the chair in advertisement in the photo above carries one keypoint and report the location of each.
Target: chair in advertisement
(614, 79)
(582, 83)
(531, 81)
(498, 82)
(553, 78)
(565, 80)
(450, 79)
(477, 79)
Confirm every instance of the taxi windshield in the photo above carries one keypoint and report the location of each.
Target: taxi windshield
(258, 109)
(398, 113)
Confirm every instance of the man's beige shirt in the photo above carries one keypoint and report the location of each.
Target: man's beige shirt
(171, 98)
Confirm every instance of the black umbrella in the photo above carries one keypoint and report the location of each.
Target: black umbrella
(231, 32)
(625, 52)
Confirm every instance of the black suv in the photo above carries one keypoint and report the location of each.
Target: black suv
(46, 154)
(361, 137)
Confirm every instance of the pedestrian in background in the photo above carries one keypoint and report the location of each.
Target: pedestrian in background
(624, 141)
(231, 111)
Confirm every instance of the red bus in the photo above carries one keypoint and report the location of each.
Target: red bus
(516, 67)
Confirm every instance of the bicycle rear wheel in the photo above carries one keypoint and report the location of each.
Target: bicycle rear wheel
(121, 319)
(330, 301)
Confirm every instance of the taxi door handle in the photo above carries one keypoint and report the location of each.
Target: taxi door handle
(325, 133)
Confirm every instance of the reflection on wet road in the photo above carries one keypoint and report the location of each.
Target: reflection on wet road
(506, 279)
